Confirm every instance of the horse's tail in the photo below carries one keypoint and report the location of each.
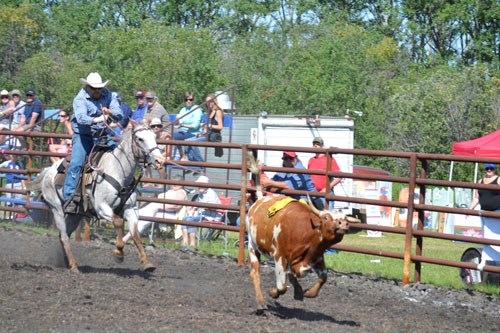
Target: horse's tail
(36, 184)
(253, 166)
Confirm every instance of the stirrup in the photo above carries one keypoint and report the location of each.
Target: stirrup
(70, 206)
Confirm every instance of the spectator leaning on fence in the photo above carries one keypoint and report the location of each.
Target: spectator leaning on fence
(32, 112)
(319, 162)
(62, 146)
(6, 108)
(489, 201)
(19, 110)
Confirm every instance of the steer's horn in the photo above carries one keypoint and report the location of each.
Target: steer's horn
(314, 209)
(352, 219)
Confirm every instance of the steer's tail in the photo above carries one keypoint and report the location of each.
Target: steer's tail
(253, 166)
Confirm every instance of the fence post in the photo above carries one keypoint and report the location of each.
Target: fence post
(243, 200)
(409, 223)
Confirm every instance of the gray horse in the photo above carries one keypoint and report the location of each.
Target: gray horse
(108, 194)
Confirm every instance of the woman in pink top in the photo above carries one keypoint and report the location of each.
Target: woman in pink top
(65, 145)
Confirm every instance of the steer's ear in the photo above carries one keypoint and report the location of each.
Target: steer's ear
(315, 220)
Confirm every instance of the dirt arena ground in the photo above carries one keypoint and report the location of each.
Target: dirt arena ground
(200, 293)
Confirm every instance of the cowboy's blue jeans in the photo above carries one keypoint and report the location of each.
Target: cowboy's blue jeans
(82, 145)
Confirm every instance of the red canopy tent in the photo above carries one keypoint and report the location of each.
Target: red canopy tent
(485, 146)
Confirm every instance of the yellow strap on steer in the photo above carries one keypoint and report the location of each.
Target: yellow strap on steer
(281, 204)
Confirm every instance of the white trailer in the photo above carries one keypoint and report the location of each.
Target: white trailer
(290, 132)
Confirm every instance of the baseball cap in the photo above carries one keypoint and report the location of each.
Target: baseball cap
(30, 91)
(150, 94)
(16, 92)
(289, 154)
(490, 165)
(140, 93)
(318, 140)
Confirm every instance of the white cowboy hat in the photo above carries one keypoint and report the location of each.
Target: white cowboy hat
(94, 80)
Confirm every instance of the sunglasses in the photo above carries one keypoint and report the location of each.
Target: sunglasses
(156, 126)
(5, 97)
(29, 95)
(139, 97)
(63, 115)
(188, 99)
(150, 99)
(489, 169)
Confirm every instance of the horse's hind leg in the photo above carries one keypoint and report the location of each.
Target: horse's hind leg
(64, 239)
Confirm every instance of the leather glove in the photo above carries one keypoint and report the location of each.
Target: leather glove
(106, 110)
(99, 119)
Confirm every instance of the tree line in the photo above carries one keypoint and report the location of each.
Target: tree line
(424, 73)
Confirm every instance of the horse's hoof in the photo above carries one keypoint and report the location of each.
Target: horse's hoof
(74, 270)
(149, 267)
(118, 258)
(274, 293)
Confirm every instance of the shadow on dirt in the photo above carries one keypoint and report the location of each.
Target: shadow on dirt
(122, 272)
(301, 314)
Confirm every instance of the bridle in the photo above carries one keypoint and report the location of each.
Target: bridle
(137, 149)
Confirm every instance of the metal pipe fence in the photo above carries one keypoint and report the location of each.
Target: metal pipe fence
(417, 180)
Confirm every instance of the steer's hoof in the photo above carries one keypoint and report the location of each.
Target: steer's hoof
(149, 267)
(261, 309)
(74, 270)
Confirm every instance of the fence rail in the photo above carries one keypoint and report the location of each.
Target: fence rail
(416, 180)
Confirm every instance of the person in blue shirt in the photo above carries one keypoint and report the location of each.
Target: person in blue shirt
(189, 120)
(13, 180)
(142, 106)
(292, 181)
(120, 126)
(32, 112)
(91, 108)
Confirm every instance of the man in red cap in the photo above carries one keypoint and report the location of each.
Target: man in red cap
(292, 181)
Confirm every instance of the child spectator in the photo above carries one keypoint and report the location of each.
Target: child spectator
(13, 180)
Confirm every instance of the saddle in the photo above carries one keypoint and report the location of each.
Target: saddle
(80, 199)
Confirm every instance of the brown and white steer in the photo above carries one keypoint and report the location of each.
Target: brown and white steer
(296, 237)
